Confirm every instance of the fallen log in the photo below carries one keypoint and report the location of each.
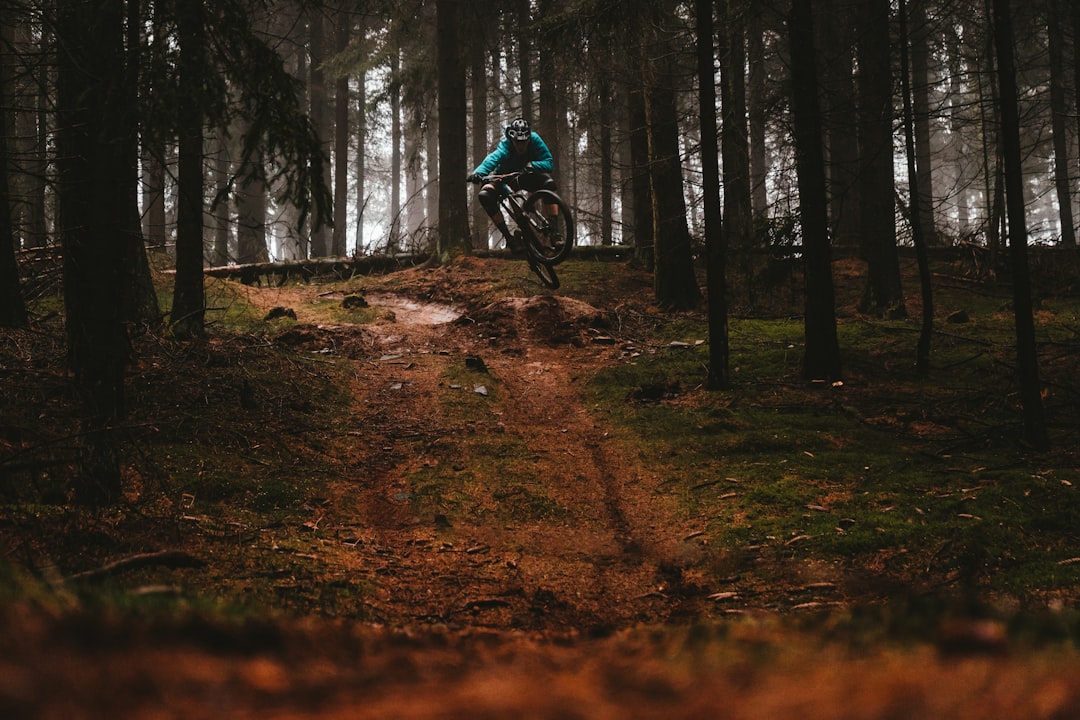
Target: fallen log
(341, 267)
(279, 273)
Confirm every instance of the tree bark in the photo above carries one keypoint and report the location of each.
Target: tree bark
(640, 229)
(393, 241)
(756, 111)
(1035, 430)
(139, 297)
(361, 152)
(524, 20)
(94, 128)
(189, 299)
(884, 292)
(719, 375)
(552, 109)
(924, 200)
(606, 151)
(251, 209)
(320, 118)
(840, 120)
(1074, 15)
(219, 248)
(738, 220)
(431, 145)
(12, 307)
(674, 282)
(479, 71)
(821, 359)
(915, 175)
(341, 143)
(453, 203)
(1059, 110)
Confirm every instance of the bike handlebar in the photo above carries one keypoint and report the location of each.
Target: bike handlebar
(482, 179)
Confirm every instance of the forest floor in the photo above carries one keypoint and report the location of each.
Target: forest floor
(408, 581)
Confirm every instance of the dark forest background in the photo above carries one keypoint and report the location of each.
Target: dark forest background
(147, 134)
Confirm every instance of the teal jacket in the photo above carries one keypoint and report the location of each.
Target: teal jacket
(503, 159)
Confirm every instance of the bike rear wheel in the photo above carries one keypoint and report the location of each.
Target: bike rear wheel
(548, 227)
(546, 273)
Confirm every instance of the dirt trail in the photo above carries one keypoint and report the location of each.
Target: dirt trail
(606, 560)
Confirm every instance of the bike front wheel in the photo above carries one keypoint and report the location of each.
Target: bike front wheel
(548, 227)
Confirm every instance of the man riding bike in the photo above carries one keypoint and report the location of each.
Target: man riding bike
(520, 150)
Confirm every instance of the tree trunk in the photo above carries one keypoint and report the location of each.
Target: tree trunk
(189, 300)
(361, 152)
(139, 297)
(924, 200)
(12, 307)
(453, 203)
(414, 182)
(1074, 14)
(94, 129)
(479, 70)
(320, 118)
(738, 220)
(719, 375)
(341, 144)
(993, 167)
(606, 185)
(922, 354)
(1035, 431)
(821, 360)
(756, 110)
(552, 112)
(219, 249)
(393, 241)
(37, 233)
(1059, 109)
(431, 143)
(884, 293)
(153, 193)
(251, 209)
(640, 229)
(673, 269)
(524, 20)
(839, 110)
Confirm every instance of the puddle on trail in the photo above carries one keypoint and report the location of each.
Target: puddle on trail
(411, 312)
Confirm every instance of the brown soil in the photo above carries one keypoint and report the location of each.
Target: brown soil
(594, 614)
(607, 566)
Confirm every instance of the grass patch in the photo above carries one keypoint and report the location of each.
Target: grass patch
(889, 472)
(486, 472)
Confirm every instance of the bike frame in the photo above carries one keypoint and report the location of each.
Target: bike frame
(513, 203)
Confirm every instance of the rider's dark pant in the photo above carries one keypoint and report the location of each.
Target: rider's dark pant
(489, 197)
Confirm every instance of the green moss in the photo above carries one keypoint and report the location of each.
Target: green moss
(817, 474)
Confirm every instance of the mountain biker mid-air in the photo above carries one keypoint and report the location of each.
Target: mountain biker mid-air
(521, 149)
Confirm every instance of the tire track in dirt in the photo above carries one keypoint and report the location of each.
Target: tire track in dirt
(619, 515)
(611, 557)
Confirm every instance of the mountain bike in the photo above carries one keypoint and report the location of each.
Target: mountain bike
(544, 224)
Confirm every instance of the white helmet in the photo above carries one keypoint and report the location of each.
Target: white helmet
(519, 129)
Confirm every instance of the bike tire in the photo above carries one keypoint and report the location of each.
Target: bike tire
(548, 239)
(546, 273)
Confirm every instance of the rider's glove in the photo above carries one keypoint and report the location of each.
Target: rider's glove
(475, 178)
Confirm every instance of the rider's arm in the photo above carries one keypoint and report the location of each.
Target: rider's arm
(540, 155)
(493, 160)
